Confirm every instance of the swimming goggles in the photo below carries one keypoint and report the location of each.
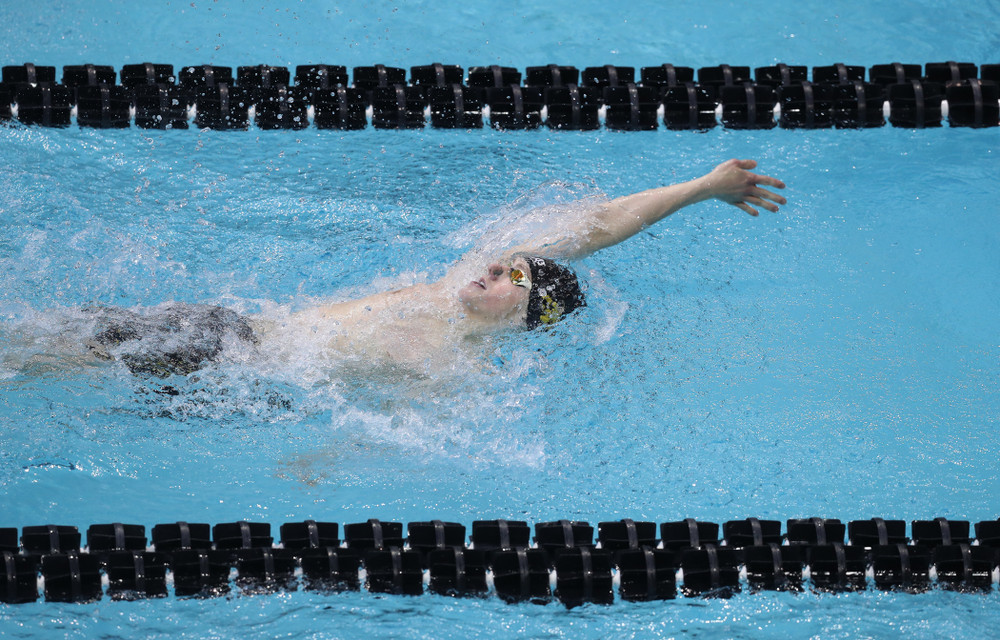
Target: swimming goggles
(518, 279)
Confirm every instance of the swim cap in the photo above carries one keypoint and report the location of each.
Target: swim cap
(554, 293)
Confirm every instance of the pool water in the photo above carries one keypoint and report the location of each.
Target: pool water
(837, 359)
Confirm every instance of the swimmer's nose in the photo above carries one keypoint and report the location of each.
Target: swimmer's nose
(495, 270)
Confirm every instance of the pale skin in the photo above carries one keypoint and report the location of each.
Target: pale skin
(415, 323)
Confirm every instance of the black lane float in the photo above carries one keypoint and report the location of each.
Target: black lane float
(628, 561)
(154, 96)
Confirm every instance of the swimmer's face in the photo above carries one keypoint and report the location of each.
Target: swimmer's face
(497, 294)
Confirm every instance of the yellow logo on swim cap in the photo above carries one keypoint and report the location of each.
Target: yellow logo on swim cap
(551, 310)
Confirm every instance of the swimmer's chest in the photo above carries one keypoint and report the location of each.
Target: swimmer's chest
(400, 325)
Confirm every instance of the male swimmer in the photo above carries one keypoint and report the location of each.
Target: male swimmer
(522, 290)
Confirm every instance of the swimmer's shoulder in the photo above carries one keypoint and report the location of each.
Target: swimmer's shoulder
(372, 304)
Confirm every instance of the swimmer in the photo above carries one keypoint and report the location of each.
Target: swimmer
(525, 288)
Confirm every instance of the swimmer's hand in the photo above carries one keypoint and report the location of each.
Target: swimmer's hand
(732, 182)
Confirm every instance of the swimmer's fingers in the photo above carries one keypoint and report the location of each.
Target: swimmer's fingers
(767, 199)
(757, 179)
(733, 182)
(748, 204)
(760, 203)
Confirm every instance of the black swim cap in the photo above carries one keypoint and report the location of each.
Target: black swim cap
(554, 293)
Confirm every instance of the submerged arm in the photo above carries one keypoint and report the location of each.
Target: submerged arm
(624, 217)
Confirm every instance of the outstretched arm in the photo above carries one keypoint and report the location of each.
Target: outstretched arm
(624, 217)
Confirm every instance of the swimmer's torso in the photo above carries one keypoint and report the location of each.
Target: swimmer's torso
(418, 326)
(423, 328)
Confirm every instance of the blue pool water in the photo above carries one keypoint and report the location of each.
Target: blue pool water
(838, 359)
